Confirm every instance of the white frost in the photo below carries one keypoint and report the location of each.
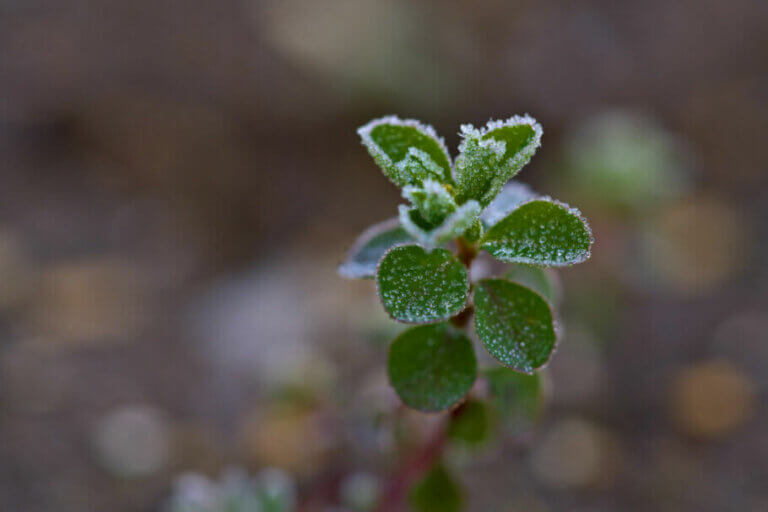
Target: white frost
(365, 135)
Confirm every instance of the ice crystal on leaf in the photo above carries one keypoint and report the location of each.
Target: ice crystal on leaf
(420, 286)
(406, 150)
(490, 156)
(452, 226)
(514, 323)
(540, 232)
(432, 201)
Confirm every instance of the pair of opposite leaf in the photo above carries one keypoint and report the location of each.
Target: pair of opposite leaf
(420, 281)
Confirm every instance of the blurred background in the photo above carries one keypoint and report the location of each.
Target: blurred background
(179, 180)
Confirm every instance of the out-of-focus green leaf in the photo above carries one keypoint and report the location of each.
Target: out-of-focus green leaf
(541, 280)
(540, 232)
(625, 160)
(516, 398)
(489, 157)
(438, 491)
(417, 286)
(471, 424)
(514, 324)
(406, 150)
(432, 367)
(370, 246)
(511, 196)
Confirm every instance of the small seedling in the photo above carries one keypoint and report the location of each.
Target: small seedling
(421, 260)
(422, 264)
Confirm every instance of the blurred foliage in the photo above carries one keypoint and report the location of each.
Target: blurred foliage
(438, 491)
(270, 491)
(625, 160)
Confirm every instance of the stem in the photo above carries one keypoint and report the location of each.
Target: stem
(467, 252)
(415, 466)
(462, 319)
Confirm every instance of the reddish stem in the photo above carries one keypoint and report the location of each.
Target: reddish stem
(412, 468)
(415, 466)
(467, 252)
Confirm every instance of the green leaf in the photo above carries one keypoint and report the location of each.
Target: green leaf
(540, 232)
(407, 151)
(516, 398)
(432, 200)
(432, 367)
(541, 280)
(475, 232)
(471, 425)
(420, 286)
(438, 491)
(490, 156)
(514, 324)
(370, 246)
(511, 196)
(452, 226)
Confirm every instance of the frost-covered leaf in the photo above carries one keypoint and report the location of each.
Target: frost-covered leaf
(516, 398)
(540, 232)
(406, 150)
(490, 156)
(475, 232)
(432, 200)
(476, 165)
(370, 246)
(432, 367)
(511, 196)
(471, 424)
(514, 324)
(541, 280)
(453, 226)
(420, 286)
(438, 491)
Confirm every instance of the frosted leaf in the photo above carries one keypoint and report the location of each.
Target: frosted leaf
(490, 156)
(541, 280)
(475, 232)
(511, 196)
(540, 232)
(476, 165)
(432, 367)
(452, 227)
(432, 200)
(370, 246)
(417, 286)
(514, 324)
(417, 166)
(458, 222)
(406, 150)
